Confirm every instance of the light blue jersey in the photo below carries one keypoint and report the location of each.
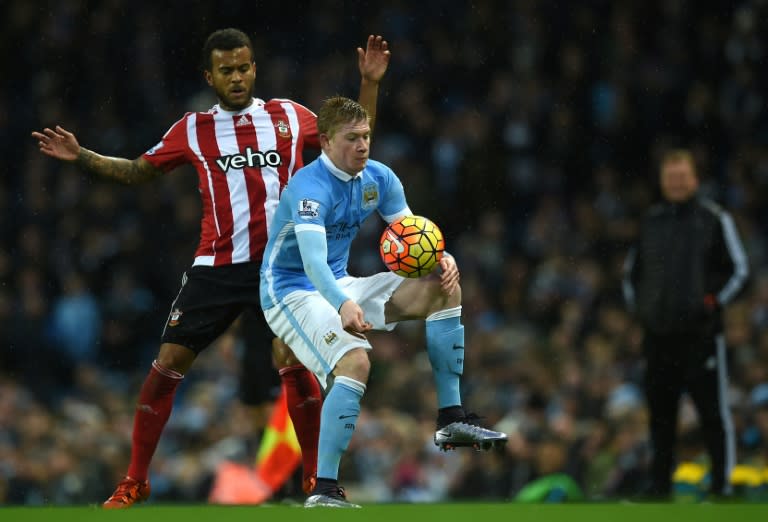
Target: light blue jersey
(323, 201)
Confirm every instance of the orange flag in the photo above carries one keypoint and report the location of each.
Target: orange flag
(279, 454)
(278, 457)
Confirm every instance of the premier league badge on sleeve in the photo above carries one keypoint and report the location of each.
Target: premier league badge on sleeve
(309, 208)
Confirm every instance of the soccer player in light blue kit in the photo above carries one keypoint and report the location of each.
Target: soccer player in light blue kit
(317, 308)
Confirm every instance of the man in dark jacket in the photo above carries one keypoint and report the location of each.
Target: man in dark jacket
(687, 264)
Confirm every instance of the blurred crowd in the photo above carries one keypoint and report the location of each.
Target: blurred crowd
(528, 130)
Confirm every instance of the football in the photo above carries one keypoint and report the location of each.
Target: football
(411, 246)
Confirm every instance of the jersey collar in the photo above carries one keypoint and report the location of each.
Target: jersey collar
(336, 171)
(255, 102)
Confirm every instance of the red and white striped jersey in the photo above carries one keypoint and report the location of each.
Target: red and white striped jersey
(244, 160)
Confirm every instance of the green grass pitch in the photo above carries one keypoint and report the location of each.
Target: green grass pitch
(466, 512)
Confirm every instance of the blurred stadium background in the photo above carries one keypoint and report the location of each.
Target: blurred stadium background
(528, 130)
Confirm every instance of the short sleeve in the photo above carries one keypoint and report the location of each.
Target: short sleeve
(173, 148)
(308, 126)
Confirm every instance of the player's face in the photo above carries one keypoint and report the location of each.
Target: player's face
(349, 146)
(678, 180)
(232, 75)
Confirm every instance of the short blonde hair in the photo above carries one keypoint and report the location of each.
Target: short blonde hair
(337, 111)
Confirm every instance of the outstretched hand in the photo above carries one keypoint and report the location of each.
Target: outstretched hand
(60, 143)
(374, 60)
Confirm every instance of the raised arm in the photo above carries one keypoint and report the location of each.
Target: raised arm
(61, 144)
(373, 63)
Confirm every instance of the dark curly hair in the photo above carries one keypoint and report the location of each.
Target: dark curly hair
(224, 40)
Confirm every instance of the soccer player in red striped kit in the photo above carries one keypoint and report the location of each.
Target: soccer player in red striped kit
(244, 150)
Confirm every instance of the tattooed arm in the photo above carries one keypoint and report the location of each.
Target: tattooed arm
(120, 169)
(62, 144)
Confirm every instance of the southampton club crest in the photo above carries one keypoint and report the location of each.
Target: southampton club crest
(283, 130)
(175, 316)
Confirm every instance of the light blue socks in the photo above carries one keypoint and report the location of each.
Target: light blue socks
(445, 347)
(337, 424)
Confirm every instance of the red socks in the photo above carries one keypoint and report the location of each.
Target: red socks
(305, 400)
(152, 412)
(303, 396)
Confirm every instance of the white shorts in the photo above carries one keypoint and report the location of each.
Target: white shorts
(308, 323)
